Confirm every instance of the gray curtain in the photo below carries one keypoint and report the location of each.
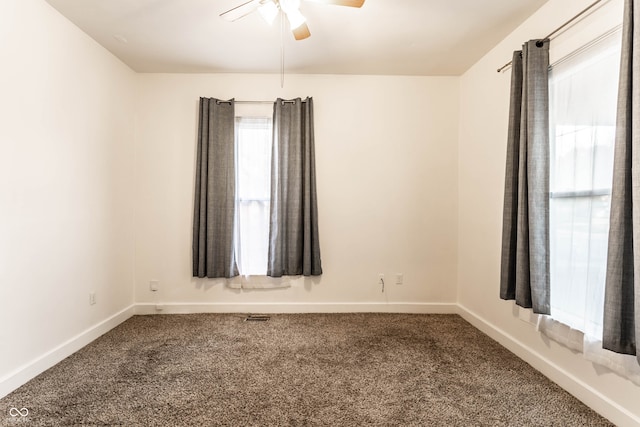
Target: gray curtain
(294, 247)
(621, 330)
(524, 273)
(214, 199)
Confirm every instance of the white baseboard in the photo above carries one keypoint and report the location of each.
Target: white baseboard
(189, 308)
(23, 374)
(578, 388)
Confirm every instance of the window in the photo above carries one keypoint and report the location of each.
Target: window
(583, 96)
(236, 228)
(253, 187)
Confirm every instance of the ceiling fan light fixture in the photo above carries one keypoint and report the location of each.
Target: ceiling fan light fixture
(295, 18)
(268, 10)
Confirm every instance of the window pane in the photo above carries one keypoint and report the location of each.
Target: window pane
(254, 157)
(579, 233)
(253, 248)
(583, 157)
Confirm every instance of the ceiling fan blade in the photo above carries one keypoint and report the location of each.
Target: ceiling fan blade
(349, 3)
(301, 33)
(240, 11)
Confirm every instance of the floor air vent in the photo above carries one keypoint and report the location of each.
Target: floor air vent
(256, 318)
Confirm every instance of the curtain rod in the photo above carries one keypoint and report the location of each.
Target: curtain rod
(254, 102)
(554, 32)
(284, 101)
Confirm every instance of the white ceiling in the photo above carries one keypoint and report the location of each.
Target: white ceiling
(393, 37)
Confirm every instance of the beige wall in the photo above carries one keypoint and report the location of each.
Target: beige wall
(66, 159)
(484, 109)
(386, 150)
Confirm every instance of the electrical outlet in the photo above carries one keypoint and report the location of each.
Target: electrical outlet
(92, 298)
(399, 278)
(153, 285)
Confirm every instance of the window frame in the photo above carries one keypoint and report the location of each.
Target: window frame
(247, 268)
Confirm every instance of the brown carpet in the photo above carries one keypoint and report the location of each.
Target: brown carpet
(296, 370)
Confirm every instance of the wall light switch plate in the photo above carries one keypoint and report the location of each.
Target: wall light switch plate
(153, 285)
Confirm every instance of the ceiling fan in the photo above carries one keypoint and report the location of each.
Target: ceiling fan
(269, 9)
